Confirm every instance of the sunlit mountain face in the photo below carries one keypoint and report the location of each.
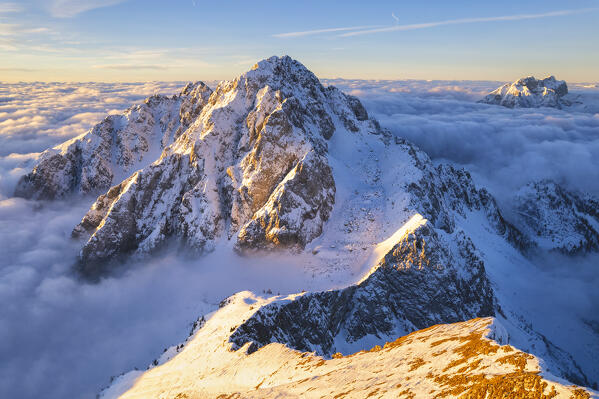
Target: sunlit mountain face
(272, 220)
(407, 206)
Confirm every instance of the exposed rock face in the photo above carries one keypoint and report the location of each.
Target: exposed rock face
(112, 149)
(423, 280)
(294, 212)
(141, 212)
(251, 162)
(530, 93)
(444, 193)
(557, 219)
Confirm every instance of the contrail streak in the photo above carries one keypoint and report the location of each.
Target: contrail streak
(467, 21)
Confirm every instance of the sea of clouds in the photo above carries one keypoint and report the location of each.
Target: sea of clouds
(503, 148)
(61, 337)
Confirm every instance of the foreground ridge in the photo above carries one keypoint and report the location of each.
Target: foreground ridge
(465, 359)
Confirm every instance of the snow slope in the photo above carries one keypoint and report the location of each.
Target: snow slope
(467, 358)
(558, 219)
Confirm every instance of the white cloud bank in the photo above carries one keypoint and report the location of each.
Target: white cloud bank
(63, 338)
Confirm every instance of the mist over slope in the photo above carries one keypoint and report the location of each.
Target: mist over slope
(62, 332)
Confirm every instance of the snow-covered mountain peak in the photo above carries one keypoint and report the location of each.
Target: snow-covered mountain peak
(548, 83)
(281, 73)
(252, 163)
(259, 161)
(530, 92)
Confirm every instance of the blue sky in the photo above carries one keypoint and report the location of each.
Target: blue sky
(139, 40)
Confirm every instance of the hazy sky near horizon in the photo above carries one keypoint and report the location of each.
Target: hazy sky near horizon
(141, 40)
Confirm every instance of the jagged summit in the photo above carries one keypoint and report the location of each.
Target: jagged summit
(530, 92)
(251, 163)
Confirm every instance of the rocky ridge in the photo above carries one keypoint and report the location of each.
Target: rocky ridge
(115, 147)
(473, 357)
(557, 219)
(423, 280)
(530, 93)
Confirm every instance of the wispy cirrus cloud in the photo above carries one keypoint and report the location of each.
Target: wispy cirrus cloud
(6, 8)
(127, 67)
(18, 69)
(461, 21)
(71, 8)
(10, 32)
(367, 30)
(320, 31)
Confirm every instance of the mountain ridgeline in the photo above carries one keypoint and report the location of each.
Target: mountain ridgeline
(275, 161)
